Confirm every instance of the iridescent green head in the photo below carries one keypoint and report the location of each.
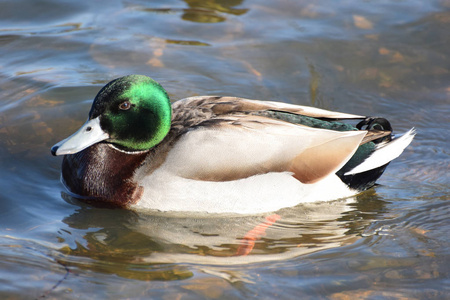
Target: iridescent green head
(131, 112)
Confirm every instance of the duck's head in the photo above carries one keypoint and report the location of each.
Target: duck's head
(132, 112)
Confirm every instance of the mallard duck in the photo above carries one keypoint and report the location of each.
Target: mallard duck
(219, 154)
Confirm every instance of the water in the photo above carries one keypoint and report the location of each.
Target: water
(388, 58)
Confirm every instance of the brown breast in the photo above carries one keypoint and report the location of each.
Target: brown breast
(103, 174)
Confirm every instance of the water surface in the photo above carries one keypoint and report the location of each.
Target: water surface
(383, 58)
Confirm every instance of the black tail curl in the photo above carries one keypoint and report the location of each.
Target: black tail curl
(376, 123)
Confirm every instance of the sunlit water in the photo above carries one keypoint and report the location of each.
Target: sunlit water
(386, 58)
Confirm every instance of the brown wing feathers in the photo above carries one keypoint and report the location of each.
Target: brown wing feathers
(308, 166)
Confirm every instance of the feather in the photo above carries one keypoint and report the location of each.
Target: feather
(384, 153)
(225, 105)
(240, 146)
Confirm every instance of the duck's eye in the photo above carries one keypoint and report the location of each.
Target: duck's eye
(126, 105)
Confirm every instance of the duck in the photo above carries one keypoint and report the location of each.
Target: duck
(219, 154)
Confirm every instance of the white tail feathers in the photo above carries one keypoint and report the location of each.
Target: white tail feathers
(384, 153)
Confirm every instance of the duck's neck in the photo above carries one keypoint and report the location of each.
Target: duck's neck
(103, 173)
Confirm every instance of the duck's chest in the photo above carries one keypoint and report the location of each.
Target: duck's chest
(104, 174)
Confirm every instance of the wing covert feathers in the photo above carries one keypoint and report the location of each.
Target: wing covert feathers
(225, 105)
